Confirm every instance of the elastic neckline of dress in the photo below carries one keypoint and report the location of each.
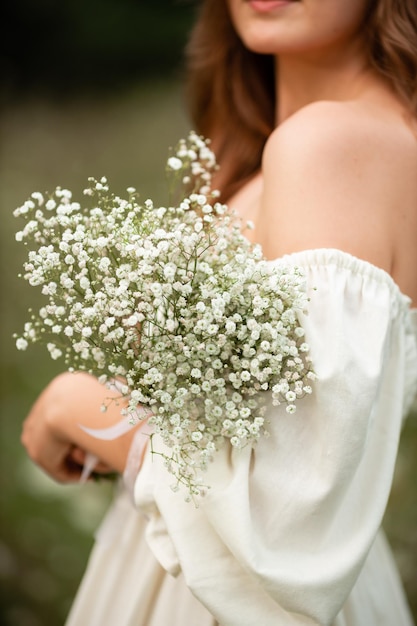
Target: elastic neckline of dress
(335, 256)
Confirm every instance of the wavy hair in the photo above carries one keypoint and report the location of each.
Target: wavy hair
(231, 90)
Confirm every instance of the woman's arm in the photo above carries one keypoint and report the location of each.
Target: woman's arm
(52, 433)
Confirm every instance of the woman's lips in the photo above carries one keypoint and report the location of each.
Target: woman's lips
(264, 6)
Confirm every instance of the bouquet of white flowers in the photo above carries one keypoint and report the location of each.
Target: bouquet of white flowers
(173, 301)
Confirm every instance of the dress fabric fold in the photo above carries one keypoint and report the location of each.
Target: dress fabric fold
(289, 532)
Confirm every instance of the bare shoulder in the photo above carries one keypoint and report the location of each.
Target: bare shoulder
(341, 131)
(334, 175)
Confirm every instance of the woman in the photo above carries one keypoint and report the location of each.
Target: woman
(312, 108)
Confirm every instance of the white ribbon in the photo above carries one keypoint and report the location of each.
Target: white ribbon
(110, 433)
(90, 462)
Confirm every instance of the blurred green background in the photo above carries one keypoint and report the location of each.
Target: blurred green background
(91, 88)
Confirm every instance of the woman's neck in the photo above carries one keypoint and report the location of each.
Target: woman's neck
(307, 78)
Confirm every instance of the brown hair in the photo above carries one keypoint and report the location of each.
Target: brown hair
(392, 36)
(231, 90)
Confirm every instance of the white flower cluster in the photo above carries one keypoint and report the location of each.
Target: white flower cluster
(173, 300)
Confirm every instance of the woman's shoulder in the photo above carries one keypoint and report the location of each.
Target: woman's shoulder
(334, 175)
(343, 129)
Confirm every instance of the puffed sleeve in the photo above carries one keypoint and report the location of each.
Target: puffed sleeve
(283, 533)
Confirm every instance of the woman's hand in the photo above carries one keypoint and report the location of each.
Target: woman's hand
(52, 451)
(52, 433)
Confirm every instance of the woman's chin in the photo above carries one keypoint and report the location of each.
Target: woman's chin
(261, 42)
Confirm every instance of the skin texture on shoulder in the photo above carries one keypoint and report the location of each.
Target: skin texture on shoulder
(334, 175)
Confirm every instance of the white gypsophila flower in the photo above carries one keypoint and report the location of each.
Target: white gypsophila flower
(174, 163)
(21, 344)
(174, 301)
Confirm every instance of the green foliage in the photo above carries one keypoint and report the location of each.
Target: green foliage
(401, 516)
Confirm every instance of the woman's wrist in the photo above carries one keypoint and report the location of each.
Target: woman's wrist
(75, 404)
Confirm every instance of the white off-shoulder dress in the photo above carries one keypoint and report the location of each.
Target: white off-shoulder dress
(289, 533)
